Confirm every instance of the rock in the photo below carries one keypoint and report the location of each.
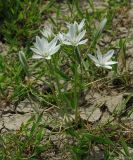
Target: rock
(129, 64)
(95, 115)
(113, 101)
(1, 124)
(26, 106)
(91, 113)
(130, 14)
(13, 122)
(105, 118)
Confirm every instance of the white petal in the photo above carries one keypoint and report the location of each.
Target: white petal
(81, 35)
(71, 32)
(47, 32)
(99, 56)
(48, 57)
(108, 67)
(36, 51)
(75, 28)
(68, 37)
(81, 25)
(55, 50)
(93, 58)
(108, 55)
(83, 41)
(39, 43)
(37, 56)
(53, 43)
(110, 62)
(98, 65)
(67, 43)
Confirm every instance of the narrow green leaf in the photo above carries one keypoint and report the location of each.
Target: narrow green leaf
(23, 61)
(125, 147)
(98, 32)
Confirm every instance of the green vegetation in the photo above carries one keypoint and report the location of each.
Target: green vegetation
(56, 72)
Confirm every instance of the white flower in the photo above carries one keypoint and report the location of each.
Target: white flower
(48, 32)
(44, 49)
(79, 26)
(75, 34)
(103, 60)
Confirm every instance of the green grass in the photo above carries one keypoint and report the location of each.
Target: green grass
(60, 82)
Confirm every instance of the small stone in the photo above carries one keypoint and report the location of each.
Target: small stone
(130, 14)
(129, 64)
(26, 106)
(14, 122)
(91, 113)
(95, 115)
(113, 101)
(105, 117)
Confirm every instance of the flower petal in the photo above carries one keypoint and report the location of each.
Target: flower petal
(93, 58)
(35, 50)
(36, 56)
(81, 25)
(81, 35)
(108, 67)
(67, 43)
(83, 41)
(110, 62)
(108, 55)
(54, 50)
(48, 57)
(99, 56)
(53, 42)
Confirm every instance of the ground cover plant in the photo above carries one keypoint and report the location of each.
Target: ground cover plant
(66, 80)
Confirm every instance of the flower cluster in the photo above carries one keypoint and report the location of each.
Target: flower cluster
(45, 47)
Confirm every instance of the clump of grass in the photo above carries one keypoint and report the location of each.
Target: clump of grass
(20, 20)
(26, 143)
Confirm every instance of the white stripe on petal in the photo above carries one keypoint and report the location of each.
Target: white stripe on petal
(67, 43)
(110, 62)
(81, 35)
(99, 56)
(54, 50)
(81, 25)
(48, 57)
(108, 55)
(108, 67)
(93, 58)
(37, 56)
(83, 41)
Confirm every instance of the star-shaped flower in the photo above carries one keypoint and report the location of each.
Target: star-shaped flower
(79, 26)
(44, 49)
(75, 34)
(103, 60)
(48, 32)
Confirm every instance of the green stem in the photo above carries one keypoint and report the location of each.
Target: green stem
(52, 74)
(77, 82)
